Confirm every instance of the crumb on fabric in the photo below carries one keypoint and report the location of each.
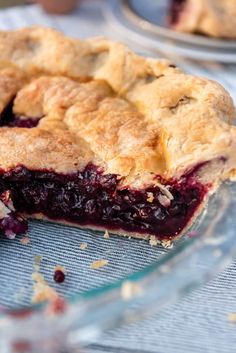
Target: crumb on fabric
(38, 277)
(38, 259)
(129, 290)
(98, 264)
(37, 262)
(150, 197)
(167, 244)
(232, 317)
(83, 246)
(153, 240)
(60, 268)
(25, 240)
(41, 290)
(106, 235)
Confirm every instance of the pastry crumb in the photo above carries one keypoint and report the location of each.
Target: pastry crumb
(153, 241)
(150, 197)
(106, 235)
(38, 277)
(37, 261)
(60, 268)
(232, 317)
(98, 264)
(25, 240)
(129, 290)
(167, 244)
(41, 290)
(83, 246)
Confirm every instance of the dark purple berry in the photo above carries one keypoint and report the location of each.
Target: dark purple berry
(59, 276)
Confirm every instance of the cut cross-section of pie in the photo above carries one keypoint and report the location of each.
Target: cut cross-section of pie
(95, 136)
(215, 18)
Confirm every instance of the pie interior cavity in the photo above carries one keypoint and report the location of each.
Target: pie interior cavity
(96, 136)
(215, 18)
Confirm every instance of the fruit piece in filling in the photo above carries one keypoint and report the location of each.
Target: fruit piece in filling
(92, 198)
(11, 223)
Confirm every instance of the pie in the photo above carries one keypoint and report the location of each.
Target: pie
(215, 18)
(96, 136)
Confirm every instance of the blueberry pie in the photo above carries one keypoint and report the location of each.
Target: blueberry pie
(215, 18)
(96, 136)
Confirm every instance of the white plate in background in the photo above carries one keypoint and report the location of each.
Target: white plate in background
(116, 14)
(152, 16)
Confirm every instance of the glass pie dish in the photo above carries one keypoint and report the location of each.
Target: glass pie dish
(135, 282)
(109, 280)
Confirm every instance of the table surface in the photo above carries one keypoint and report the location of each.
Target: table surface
(197, 324)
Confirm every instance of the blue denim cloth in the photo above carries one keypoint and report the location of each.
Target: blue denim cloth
(198, 323)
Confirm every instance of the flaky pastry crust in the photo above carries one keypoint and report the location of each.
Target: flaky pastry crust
(99, 102)
(216, 18)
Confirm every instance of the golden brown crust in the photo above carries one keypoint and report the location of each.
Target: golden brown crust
(216, 18)
(138, 116)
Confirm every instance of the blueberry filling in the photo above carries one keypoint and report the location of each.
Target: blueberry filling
(90, 197)
(8, 118)
(176, 7)
(10, 222)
